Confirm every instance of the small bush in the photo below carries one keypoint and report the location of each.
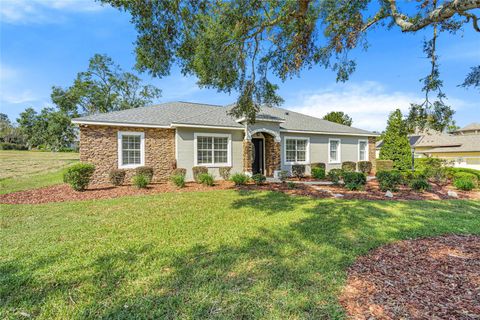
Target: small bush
(239, 178)
(79, 175)
(364, 166)
(384, 165)
(291, 185)
(145, 171)
(116, 177)
(335, 175)
(178, 180)
(298, 170)
(197, 171)
(318, 173)
(419, 184)
(465, 181)
(354, 180)
(389, 180)
(179, 171)
(225, 172)
(452, 171)
(318, 165)
(283, 175)
(12, 146)
(258, 178)
(140, 181)
(349, 166)
(206, 179)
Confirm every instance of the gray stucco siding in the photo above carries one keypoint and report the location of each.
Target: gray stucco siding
(185, 149)
(318, 149)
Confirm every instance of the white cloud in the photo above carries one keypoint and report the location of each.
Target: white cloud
(368, 103)
(43, 11)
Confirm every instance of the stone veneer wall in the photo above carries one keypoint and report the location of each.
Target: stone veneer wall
(247, 155)
(371, 152)
(272, 155)
(98, 145)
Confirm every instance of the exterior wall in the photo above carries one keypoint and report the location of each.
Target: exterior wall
(319, 149)
(272, 155)
(99, 146)
(186, 150)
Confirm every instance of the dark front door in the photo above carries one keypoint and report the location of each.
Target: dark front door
(258, 155)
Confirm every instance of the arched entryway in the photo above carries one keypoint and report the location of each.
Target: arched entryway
(261, 152)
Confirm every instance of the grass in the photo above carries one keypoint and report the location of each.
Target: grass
(20, 170)
(232, 255)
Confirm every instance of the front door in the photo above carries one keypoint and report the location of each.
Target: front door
(258, 156)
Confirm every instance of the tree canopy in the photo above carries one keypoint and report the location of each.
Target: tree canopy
(396, 145)
(238, 45)
(339, 117)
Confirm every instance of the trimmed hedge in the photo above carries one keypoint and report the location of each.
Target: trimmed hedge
(354, 180)
(389, 180)
(116, 177)
(452, 171)
(225, 172)
(465, 181)
(364, 166)
(140, 180)
(197, 171)
(318, 165)
(349, 166)
(145, 171)
(78, 176)
(384, 165)
(179, 172)
(178, 180)
(318, 173)
(298, 170)
(206, 179)
(335, 175)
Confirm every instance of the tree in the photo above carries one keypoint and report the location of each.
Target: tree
(473, 78)
(104, 87)
(338, 117)
(28, 125)
(238, 45)
(396, 145)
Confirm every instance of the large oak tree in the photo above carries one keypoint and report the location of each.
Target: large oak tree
(237, 45)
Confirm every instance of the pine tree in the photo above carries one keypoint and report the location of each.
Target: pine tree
(396, 145)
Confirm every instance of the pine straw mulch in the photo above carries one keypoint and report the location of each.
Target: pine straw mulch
(63, 192)
(434, 278)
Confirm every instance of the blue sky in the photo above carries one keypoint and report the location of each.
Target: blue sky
(45, 43)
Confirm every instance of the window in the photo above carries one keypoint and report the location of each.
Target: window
(334, 155)
(362, 150)
(131, 146)
(296, 150)
(212, 149)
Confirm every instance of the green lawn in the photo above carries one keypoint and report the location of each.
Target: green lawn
(220, 254)
(20, 170)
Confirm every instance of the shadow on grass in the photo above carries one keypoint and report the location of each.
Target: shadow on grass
(292, 271)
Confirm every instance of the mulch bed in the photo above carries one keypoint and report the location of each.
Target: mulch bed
(61, 193)
(434, 278)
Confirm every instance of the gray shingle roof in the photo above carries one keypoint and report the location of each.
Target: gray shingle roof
(189, 113)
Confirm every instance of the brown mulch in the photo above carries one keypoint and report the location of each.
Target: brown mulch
(434, 278)
(62, 193)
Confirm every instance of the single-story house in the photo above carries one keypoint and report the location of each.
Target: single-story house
(185, 134)
(461, 148)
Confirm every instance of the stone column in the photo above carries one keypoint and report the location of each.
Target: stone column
(272, 155)
(247, 156)
(372, 152)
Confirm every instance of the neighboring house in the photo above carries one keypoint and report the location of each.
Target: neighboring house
(185, 135)
(461, 148)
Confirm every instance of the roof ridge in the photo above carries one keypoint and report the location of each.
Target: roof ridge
(200, 103)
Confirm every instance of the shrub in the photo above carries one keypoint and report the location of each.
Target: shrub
(225, 172)
(349, 166)
(239, 178)
(354, 180)
(12, 146)
(206, 179)
(465, 181)
(335, 175)
(452, 171)
(384, 165)
(318, 165)
(389, 180)
(318, 173)
(291, 185)
(79, 175)
(197, 171)
(283, 175)
(298, 170)
(178, 180)
(258, 178)
(140, 180)
(364, 166)
(179, 171)
(116, 177)
(145, 171)
(419, 184)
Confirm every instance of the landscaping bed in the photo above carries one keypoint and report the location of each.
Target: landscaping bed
(435, 278)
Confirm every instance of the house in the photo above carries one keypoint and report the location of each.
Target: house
(185, 134)
(461, 148)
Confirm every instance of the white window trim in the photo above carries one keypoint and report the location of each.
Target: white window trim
(339, 151)
(120, 147)
(213, 165)
(307, 151)
(366, 151)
